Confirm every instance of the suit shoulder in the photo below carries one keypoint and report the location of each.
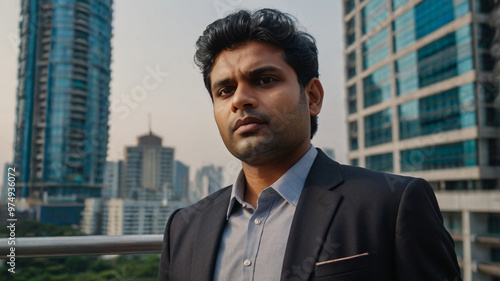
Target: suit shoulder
(369, 178)
(196, 209)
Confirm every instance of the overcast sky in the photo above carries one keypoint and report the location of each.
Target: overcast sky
(159, 36)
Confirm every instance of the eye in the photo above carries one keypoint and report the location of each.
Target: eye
(225, 91)
(266, 80)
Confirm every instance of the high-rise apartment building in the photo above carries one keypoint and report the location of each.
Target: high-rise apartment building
(113, 180)
(118, 216)
(62, 98)
(208, 180)
(149, 169)
(181, 182)
(422, 100)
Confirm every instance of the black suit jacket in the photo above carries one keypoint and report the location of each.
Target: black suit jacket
(350, 224)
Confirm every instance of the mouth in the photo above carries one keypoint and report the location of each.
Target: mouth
(248, 125)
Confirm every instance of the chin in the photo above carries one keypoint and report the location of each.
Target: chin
(254, 151)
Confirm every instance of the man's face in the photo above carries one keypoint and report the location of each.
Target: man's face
(259, 107)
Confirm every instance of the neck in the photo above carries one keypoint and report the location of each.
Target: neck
(259, 177)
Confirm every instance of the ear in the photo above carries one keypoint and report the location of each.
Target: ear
(314, 93)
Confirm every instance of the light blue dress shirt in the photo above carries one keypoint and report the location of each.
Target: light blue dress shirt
(254, 240)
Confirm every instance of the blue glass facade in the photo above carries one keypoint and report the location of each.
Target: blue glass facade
(445, 156)
(398, 3)
(377, 86)
(380, 162)
(426, 17)
(63, 101)
(450, 110)
(378, 128)
(26, 94)
(376, 48)
(432, 65)
(374, 13)
(442, 59)
(61, 215)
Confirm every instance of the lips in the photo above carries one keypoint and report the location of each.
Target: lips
(247, 124)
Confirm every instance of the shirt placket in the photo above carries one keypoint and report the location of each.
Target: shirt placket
(255, 229)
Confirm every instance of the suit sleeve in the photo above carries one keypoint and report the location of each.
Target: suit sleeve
(424, 248)
(163, 274)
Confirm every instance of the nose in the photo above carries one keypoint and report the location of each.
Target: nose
(244, 98)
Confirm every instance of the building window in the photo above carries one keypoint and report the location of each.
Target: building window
(398, 3)
(377, 87)
(352, 99)
(494, 224)
(425, 18)
(493, 152)
(380, 162)
(373, 14)
(450, 110)
(459, 250)
(452, 221)
(355, 162)
(376, 48)
(447, 57)
(446, 156)
(484, 7)
(351, 64)
(378, 128)
(353, 135)
(488, 93)
(349, 6)
(350, 33)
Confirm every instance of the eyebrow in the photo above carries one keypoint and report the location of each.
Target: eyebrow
(221, 83)
(253, 73)
(264, 69)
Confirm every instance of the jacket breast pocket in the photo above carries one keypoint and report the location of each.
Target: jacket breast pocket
(355, 267)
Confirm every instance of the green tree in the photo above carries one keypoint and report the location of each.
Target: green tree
(77, 268)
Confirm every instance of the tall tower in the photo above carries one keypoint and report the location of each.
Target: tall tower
(62, 98)
(149, 169)
(422, 100)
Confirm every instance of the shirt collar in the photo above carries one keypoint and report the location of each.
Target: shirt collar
(289, 185)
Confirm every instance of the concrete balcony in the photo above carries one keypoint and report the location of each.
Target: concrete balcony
(492, 269)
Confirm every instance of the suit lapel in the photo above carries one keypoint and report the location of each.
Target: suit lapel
(207, 243)
(313, 216)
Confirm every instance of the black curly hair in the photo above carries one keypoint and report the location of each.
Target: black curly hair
(267, 26)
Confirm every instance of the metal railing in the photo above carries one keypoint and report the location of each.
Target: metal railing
(81, 245)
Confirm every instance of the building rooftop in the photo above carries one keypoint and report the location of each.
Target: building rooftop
(149, 139)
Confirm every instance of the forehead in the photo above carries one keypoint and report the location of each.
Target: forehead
(246, 57)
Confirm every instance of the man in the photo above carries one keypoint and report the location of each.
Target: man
(294, 214)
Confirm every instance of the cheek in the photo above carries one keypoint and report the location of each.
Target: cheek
(221, 121)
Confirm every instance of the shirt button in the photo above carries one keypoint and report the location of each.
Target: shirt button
(247, 262)
(244, 205)
(257, 221)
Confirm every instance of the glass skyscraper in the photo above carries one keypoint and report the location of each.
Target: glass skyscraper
(421, 90)
(422, 100)
(63, 98)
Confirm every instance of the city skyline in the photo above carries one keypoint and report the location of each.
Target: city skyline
(153, 71)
